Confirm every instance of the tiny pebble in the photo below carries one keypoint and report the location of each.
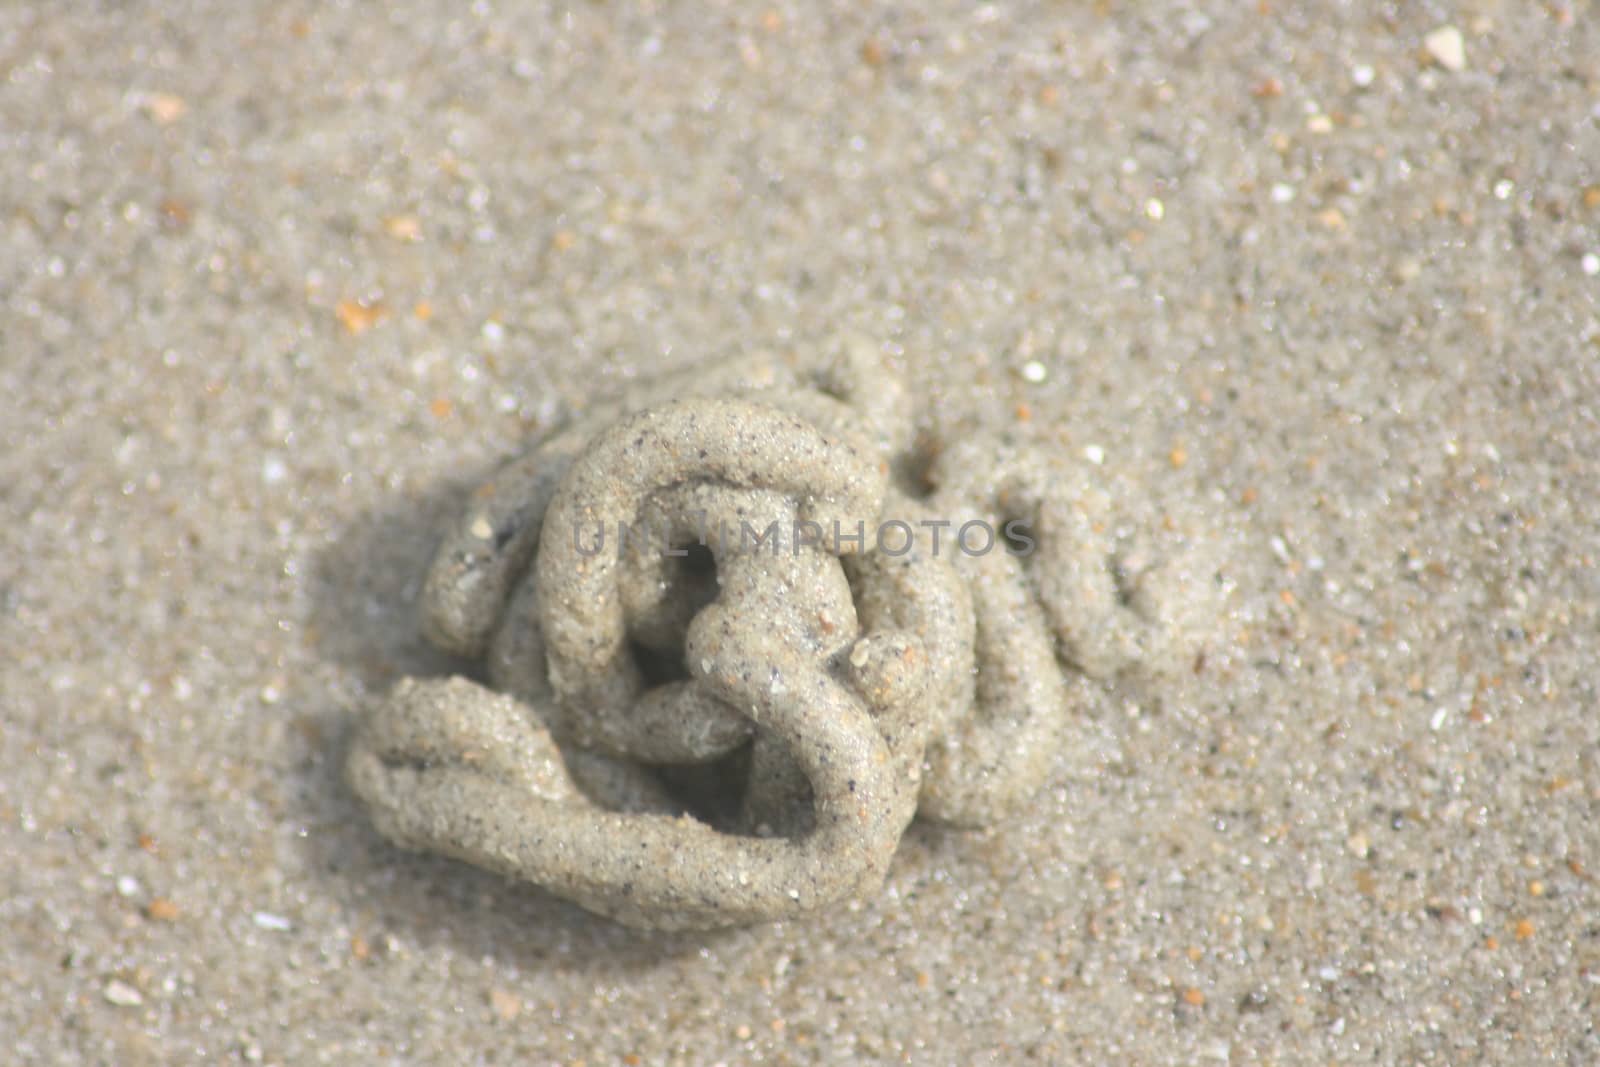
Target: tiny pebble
(268, 921)
(1447, 48)
(1407, 269)
(273, 470)
(128, 886)
(1094, 454)
(505, 1004)
(1362, 75)
(1282, 193)
(122, 994)
(403, 227)
(1154, 209)
(1034, 371)
(1590, 264)
(165, 108)
(357, 317)
(161, 910)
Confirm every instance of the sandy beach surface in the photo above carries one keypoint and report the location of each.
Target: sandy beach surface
(279, 280)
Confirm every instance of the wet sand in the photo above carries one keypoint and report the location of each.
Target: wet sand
(280, 281)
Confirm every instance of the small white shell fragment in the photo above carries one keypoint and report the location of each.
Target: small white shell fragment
(1447, 48)
(122, 994)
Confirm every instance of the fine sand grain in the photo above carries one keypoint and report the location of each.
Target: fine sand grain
(279, 282)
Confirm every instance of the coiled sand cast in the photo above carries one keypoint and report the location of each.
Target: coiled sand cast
(789, 645)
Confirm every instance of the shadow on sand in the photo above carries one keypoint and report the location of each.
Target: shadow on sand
(365, 617)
